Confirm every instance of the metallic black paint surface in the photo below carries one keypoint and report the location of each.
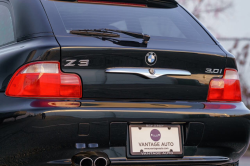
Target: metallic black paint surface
(15, 55)
(33, 140)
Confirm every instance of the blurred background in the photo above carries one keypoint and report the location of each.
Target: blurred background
(229, 22)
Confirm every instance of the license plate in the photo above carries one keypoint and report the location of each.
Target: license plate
(155, 140)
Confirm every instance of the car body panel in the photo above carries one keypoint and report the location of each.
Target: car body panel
(45, 131)
(54, 138)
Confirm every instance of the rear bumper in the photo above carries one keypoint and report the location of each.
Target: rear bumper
(215, 133)
(187, 160)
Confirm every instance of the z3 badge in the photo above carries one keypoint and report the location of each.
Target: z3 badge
(84, 62)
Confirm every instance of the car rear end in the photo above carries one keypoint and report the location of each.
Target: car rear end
(173, 98)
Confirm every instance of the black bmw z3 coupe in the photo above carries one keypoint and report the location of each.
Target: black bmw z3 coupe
(128, 82)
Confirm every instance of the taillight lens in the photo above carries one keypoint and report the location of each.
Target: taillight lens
(44, 79)
(226, 88)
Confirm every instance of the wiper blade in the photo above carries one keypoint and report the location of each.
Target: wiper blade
(94, 32)
(145, 37)
(123, 42)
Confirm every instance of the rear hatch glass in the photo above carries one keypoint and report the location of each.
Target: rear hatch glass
(177, 43)
(159, 23)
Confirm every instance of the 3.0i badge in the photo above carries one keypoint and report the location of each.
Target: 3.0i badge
(151, 58)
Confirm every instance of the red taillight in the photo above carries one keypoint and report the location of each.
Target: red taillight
(44, 79)
(226, 88)
(113, 3)
(219, 106)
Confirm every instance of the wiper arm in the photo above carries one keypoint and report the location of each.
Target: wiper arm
(108, 33)
(145, 37)
(94, 32)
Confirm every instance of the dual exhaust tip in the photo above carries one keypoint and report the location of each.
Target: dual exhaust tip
(90, 159)
(99, 161)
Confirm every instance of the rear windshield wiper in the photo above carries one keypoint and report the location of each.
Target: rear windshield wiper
(145, 37)
(109, 33)
(94, 32)
(123, 42)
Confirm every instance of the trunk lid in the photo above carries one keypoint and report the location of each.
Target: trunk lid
(93, 62)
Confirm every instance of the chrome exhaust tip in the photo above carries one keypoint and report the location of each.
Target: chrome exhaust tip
(86, 162)
(100, 161)
(82, 160)
(90, 159)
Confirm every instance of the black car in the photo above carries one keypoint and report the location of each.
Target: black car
(128, 82)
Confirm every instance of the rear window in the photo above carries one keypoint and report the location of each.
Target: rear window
(159, 23)
(6, 26)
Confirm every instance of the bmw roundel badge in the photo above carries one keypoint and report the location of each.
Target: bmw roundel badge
(151, 58)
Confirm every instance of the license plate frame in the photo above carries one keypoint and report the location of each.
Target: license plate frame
(174, 154)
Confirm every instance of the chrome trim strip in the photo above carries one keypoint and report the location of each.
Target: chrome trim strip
(148, 72)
